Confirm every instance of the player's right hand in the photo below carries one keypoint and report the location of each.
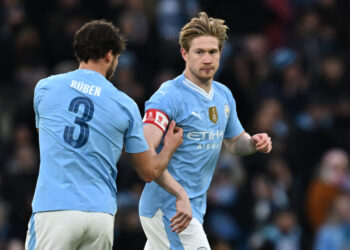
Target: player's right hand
(262, 143)
(174, 136)
(183, 217)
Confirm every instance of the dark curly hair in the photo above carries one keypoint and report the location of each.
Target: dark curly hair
(94, 39)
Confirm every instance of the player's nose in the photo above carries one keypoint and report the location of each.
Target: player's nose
(207, 58)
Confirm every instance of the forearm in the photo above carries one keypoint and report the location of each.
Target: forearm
(157, 163)
(241, 145)
(167, 182)
(183, 216)
(149, 165)
(162, 159)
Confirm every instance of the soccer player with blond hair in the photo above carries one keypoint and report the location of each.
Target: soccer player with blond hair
(172, 207)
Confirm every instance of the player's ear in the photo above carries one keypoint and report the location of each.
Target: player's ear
(184, 54)
(109, 56)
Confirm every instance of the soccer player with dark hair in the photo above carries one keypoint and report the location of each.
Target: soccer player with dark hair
(172, 207)
(83, 123)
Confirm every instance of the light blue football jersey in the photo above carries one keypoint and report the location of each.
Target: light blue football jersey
(206, 119)
(83, 122)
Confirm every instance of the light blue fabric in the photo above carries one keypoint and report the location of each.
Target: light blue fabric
(333, 236)
(173, 237)
(193, 164)
(83, 122)
(32, 239)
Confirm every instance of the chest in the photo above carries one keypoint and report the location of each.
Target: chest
(203, 117)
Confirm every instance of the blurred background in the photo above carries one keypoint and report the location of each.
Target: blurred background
(287, 64)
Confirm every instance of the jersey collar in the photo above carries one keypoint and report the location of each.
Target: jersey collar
(201, 91)
(92, 72)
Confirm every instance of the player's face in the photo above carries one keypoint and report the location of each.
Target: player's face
(202, 58)
(113, 66)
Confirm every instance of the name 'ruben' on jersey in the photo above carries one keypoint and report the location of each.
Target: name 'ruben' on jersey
(83, 122)
(206, 118)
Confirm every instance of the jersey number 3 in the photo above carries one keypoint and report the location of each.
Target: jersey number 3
(81, 121)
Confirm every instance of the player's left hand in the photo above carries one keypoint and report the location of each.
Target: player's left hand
(262, 143)
(183, 217)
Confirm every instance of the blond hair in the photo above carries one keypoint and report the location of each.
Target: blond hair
(203, 26)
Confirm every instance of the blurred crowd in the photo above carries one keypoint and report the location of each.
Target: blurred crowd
(287, 65)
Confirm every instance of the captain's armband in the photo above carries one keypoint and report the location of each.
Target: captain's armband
(156, 117)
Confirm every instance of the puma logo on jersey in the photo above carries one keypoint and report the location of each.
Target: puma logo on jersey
(197, 115)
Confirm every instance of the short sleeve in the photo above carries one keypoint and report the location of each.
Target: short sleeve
(38, 95)
(234, 126)
(162, 100)
(135, 141)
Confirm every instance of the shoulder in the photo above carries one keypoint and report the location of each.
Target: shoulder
(49, 81)
(167, 98)
(223, 90)
(221, 87)
(169, 89)
(41, 84)
(114, 94)
(43, 87)
(123, 99)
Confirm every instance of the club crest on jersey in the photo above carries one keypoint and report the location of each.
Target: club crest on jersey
(227, 111)
(213, 114)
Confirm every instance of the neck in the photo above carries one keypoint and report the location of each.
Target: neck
(204, 84)
(95, 66)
